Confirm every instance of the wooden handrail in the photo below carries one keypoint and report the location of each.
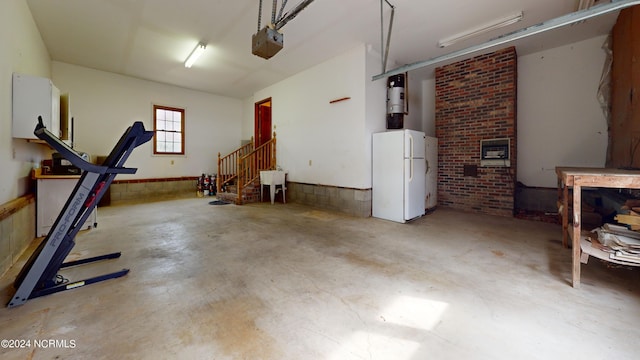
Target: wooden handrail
(13, 206)
(227, 165)
(244, 165)
(250, 165)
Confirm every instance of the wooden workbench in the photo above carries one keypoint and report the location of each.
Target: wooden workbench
(586, 177)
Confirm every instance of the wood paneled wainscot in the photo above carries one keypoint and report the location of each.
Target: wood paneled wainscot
(587, 177)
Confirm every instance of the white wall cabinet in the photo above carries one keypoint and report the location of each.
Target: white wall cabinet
(32, 97)
(66, 120)
(52, 193)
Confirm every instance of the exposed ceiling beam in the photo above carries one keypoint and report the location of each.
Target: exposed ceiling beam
(555, 23)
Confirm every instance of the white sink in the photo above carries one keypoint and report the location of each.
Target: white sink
(273, 178)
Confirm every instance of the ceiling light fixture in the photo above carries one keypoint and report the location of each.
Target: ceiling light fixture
(512, 19)
(195, 54)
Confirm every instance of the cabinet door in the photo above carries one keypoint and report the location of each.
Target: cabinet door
(52, 194)
(32, 97)
(66, 127)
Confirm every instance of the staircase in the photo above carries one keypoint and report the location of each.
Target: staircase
(238, 179)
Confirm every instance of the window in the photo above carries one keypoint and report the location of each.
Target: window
(168, 124)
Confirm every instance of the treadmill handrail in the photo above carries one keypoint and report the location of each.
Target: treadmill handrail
(64, 149)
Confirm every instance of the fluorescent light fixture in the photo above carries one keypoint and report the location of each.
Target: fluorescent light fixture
(512, 19)
(195, 54)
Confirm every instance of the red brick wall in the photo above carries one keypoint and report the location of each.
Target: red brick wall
(476, 99)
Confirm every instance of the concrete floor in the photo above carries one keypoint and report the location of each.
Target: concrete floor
(264, 281)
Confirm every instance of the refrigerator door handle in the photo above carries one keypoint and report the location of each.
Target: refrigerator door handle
(411, 177)
(410, 146)
(410, 156)
(411, 170)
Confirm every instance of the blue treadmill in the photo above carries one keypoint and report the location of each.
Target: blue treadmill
(39, 276)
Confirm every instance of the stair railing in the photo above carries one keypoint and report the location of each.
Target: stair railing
(250, 165)
(227, 165)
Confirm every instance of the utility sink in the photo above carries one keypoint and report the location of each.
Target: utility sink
(273, 178)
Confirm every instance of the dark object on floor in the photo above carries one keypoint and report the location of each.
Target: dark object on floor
(218, 202)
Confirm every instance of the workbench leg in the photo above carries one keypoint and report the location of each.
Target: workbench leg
(577, 196)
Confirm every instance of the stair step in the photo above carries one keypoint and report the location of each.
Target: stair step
(250, 193)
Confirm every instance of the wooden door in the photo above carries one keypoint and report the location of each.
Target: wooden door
(262, 130)
(624, 130)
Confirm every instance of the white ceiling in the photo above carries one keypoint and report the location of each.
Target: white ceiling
(150, 39)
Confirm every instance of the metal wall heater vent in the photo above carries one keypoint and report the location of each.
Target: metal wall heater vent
(495, 152)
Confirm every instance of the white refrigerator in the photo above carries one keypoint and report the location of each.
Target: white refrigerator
(431, 185)
(399, 175)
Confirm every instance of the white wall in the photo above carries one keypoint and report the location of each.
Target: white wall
(22, 51)
(559, 118)
(248, 116)
(375, 108)
(104, 104)
(414, 119)
(319, 142)
(560, 122)
(428, 106)
(336, 138)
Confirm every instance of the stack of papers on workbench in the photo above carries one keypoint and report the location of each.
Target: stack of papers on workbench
(621, 243)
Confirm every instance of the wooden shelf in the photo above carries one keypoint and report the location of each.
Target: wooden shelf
(36, 174)
(587, 177)
(588, 249)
